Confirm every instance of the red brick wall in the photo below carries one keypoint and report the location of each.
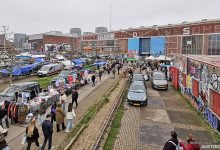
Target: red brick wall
(178, 30)
(172, 45)
(123, 45)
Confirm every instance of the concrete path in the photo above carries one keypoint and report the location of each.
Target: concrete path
(149, 127)
(86, 93)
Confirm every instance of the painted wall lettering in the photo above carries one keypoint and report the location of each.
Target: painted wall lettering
(186, 31)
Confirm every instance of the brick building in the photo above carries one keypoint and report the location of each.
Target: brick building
(202, 37)
(52, 41)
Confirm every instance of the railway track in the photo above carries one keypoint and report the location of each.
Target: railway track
(105, 128)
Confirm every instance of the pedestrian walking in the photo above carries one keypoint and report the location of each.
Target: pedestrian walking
(75, 96)
(108, 70)
(47, 129)
(53, 112)
(4, 116)
(113, 72)
(93, 80)
(63, 100)
(172, 143)
(191, 143)
(118, 68)
(100, 75)
(32, 134)
(70, 115)
(42, 110)
(60, 115)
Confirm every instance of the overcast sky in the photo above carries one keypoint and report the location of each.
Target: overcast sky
(38, 16)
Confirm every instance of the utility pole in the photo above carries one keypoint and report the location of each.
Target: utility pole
(110, 17)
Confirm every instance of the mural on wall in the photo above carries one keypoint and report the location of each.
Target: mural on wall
(215, 82)
(200, 79)
(204, 84)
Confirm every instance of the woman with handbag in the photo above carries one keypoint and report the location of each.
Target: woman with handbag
(32, 134)
(70, 115)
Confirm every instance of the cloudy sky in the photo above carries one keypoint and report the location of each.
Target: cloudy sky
(37, 16)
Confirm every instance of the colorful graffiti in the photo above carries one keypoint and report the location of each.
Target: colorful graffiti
(207, 79)
(215, 82)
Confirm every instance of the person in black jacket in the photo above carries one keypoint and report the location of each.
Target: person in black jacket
(172, 143)
(3, 114)
(32, 134)
(47, 129)
(75, 95)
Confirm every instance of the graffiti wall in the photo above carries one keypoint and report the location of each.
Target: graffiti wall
(200, 84)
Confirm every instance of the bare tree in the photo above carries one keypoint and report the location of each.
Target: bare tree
(8, 51)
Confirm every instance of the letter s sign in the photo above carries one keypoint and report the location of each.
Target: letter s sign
(186, 31)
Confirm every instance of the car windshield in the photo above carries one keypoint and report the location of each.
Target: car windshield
(138, 88)
(159, 77)
(10, 91)
(45, 68)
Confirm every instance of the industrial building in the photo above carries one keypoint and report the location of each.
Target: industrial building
(19, 40)
(201, 38)
(52, 41)
(76, 32)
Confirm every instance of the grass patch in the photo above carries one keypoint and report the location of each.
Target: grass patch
(44, 82)
(116, 124)
(213, 132)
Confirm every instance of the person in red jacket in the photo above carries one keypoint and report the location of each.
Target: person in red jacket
(191, 143)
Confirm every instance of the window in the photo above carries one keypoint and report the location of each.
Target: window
(214, 44)
(192, 45)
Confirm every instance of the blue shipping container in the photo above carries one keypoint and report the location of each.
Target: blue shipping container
(157, 45)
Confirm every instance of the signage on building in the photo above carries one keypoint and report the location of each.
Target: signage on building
(186, 31)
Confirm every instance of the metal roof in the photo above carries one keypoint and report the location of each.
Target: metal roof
(213, 60)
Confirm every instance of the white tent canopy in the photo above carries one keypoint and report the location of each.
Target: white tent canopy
(162, 57)
(150, 58)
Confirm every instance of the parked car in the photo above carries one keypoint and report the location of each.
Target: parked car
(50, 69)
(138, 77)
(159, 81)
(9, 93)
(137, 94)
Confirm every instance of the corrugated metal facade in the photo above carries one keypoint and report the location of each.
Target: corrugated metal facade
(158, 45)
(144, 46)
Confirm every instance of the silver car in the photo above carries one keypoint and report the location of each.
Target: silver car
(137, 94)
(159, 81)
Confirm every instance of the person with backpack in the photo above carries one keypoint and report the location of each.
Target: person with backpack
(75, 96)
(53, 112)
(70, 115)
(32, 134)
(172, 143)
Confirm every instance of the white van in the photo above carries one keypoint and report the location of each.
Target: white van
(50, 69)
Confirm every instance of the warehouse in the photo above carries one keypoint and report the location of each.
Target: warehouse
(201, 38)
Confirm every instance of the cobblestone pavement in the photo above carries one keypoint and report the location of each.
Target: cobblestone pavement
(87, 97)
(89, 136)
(148, 127)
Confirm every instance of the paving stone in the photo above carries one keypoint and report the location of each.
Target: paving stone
(189, 118)
(154, 134)
(155, 114)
